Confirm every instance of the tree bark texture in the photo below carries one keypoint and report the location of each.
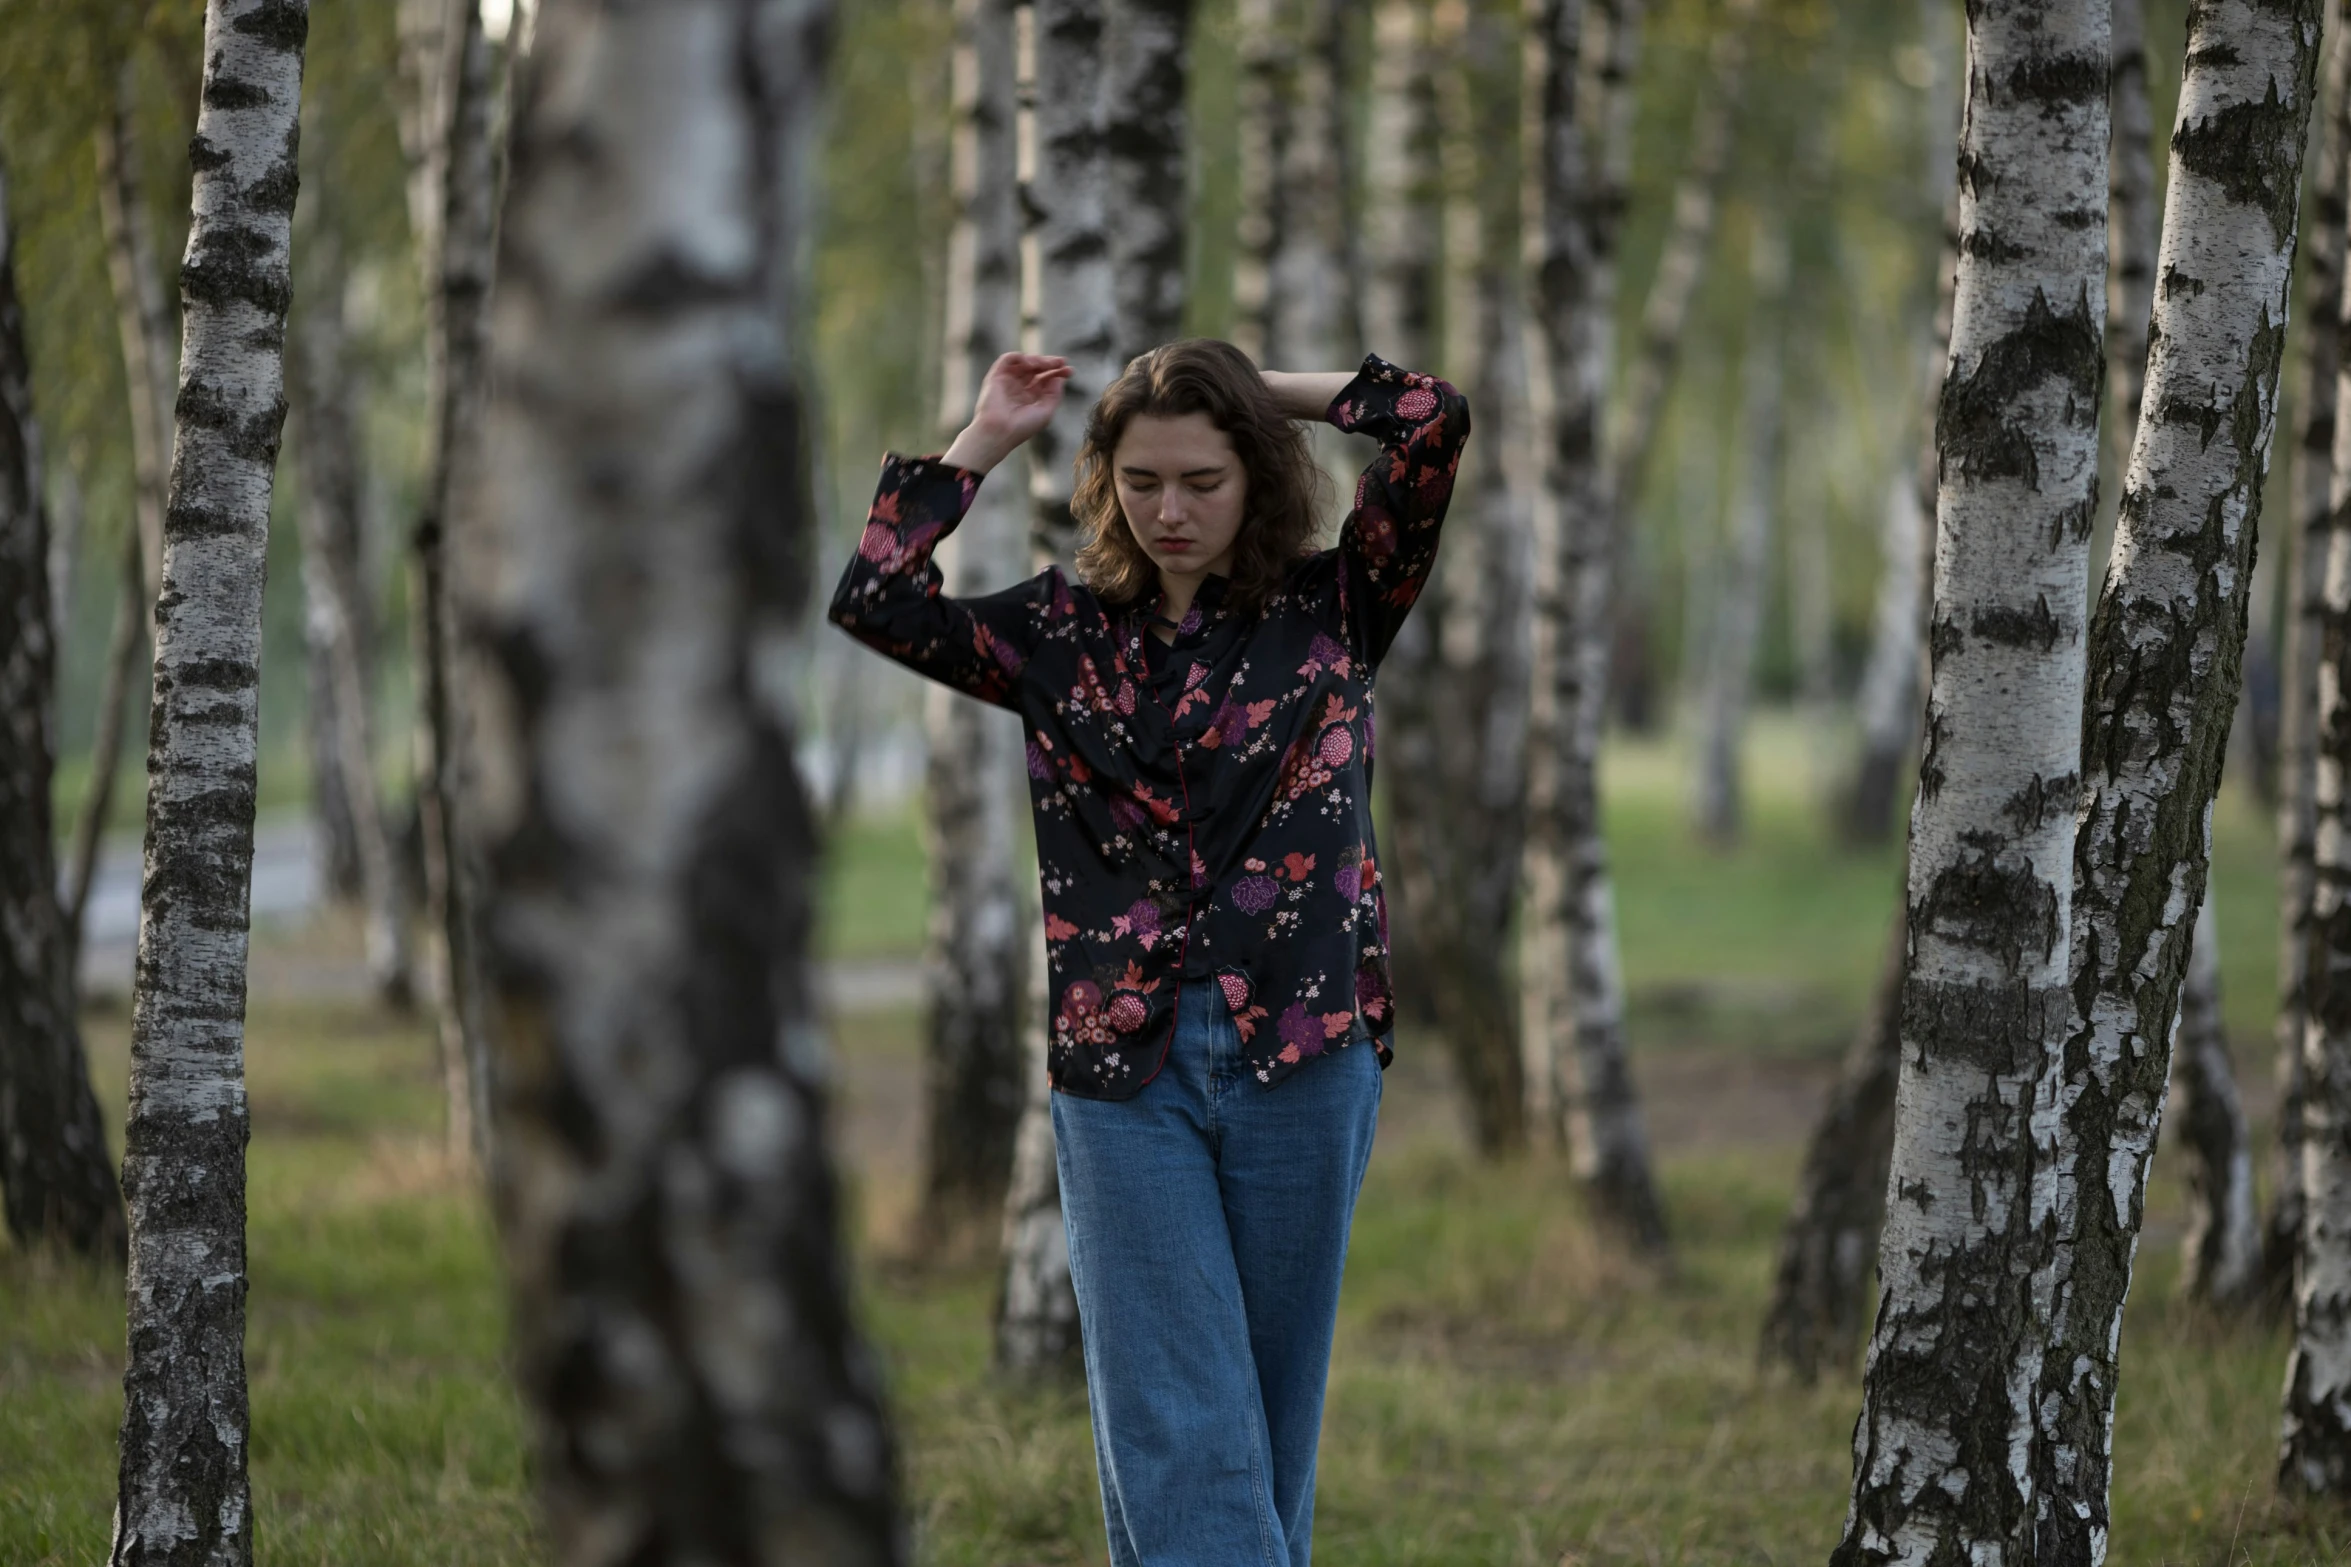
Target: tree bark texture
(2309, 538)
(975, 780)
(1036, 1327)
(1146, 71)
(2164, 649)
(1294, 297)
(1571, 982)
(2221, 1257)
(1069, 290)
(183, 1494)
(461, 159)
(1453, 690)
(1830, 1242)
(338, 630)
(56, 1174)
(1719, 798)
(1403, 195)
(1942, 1452)
(1888, 700)
(633, 584)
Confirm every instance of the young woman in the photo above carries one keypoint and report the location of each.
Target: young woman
(1199, 719)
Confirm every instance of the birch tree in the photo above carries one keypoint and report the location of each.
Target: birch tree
(1572, 989)
(1738, 617)
(2164, 651)
(1294, 295)
(633, 583)
(1400, 176)
(2309, 537)
(183, 1494)
(975, 779)
(56, 1175)
(1146, 71)
(1943, 1447)
(2220, 1260)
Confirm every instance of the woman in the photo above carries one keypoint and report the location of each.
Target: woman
(1199, 719)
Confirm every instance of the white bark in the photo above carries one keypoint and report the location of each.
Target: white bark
(2308, 537)
(1294, 303)
(975, 779)
(1400, 176)
(1943, 1447)
(183, 1494)
(1036, 1325)
(1572, 990)
(1738, 605)
(1068, 291)
(634, 580)
(2165, 645)
(1146, 134)
(2221, 1256)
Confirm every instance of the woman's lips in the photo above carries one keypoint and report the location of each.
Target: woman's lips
(1175, 545)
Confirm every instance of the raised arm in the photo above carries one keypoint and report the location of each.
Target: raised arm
(1388, 544)
(889, 597)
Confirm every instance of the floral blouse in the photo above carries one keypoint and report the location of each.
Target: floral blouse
(1204, 815)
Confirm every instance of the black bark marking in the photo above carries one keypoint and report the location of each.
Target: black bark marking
(233, 262)
(222, 91)
(205, 155)
(1982, 428)
(2009, 626)
(2058, 83)
(251, 437)
(284, 24)
(2040, 800)
(2253, 152)
(275, 190)
(1979, 902)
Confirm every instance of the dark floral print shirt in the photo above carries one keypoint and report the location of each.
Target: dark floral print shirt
(1203, 814)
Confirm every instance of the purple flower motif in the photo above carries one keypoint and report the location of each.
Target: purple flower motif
(1347, 880)
(1255, 894)
(1231, 722)
(1144, 917)
(1125, 814)
(1039, 769)
(1368, 987)
(1299, 1030)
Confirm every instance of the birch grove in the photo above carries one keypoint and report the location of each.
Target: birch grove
(979, 939)
(633, 585)
(2164, 653)
(1572, 988)
(1943, 1449)
(57, 1180)
(183, 1493)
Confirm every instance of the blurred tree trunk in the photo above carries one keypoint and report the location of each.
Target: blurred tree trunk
(1146, 71)
(1453, 689)
(1888, 699)
(1294, 298)
(1572, 991)
(2165, 650)
(144, 324)
(1401, 189)
(183, 1494)
(2309, 535)
(668, 1200)
(1657, 348)
(455, 159)
(1067, 281)
(1720, 806)
(56, 1173)
(2221, 1257)
(975, 779)
(1830, 1242)
(1944, 1446)
(338, 631)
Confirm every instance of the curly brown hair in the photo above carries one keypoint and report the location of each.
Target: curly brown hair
(1287, 489)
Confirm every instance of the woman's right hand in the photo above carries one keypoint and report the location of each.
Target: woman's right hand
(1016, 401)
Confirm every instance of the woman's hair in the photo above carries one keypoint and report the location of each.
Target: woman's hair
(1286, 487)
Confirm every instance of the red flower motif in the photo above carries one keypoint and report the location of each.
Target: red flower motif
(1127, 1012)
(1335, 746)
(1297, 865)
(878, 543)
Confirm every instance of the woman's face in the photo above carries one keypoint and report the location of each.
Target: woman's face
(1184, 492)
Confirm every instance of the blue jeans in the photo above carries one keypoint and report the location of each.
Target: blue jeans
(1207, 1223)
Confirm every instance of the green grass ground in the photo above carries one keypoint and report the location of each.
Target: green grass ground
(1505, 1389)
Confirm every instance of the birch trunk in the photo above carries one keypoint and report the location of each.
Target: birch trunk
(56, 1175)
(1943, 1448)
(461, 163)
(2165, 646)
(2221, 1257)
(1400, 171)
(1263, 103)
(2309, 537)
(1572, 989)
(1830, 1242)
(975, 778)
(1738, 617)
(1294, 298)
(338, 631)
(1068, 307)
(183, 1494)
(1069, 291)
(633, 584)
(1145, 75)
(1888, 700)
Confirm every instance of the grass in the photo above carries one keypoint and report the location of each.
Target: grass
(1506, 1389)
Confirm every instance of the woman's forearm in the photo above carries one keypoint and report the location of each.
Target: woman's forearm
(1306, 394)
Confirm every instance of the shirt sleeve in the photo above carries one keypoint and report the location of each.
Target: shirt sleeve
(890, 598)
(1388, 544)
